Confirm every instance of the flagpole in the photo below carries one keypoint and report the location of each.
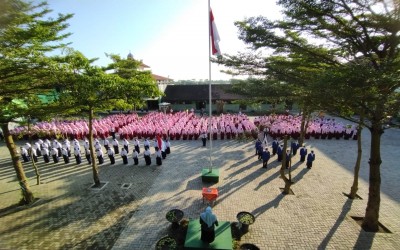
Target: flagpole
(209, 83)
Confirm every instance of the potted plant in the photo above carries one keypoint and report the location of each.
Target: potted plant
(166, 243)
(248, 246)
(245, 219)
(174, 216)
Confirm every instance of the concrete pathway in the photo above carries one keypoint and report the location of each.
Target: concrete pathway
(69, 215)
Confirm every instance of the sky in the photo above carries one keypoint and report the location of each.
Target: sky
(170, 36)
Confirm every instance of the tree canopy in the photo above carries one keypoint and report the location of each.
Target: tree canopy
(26, 69)
(345, 51)
(141, 84)
(27, 37)
(86, 89)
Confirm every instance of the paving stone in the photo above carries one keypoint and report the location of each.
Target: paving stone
(69, 215)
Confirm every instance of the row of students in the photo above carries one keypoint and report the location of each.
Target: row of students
(263, 154)
(54, 151)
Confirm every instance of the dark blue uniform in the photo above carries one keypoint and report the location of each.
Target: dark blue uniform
(310, 159)
(294, 146)
(279, 153)
(303, 153)
(258, 145)
(275, 145)
(266, 155)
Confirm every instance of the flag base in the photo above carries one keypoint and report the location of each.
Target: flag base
(207, 176)
(223, 237)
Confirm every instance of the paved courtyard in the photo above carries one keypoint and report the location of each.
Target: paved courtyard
(69, 215)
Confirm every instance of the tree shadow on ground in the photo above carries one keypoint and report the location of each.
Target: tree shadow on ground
(14, 208)
(73, 207)
(236, 184)
(300, 175)
(239, 170)
(296, 165)
(108, 235)
(344, 154)
(239, 163)
(345, 209)
(273, 203)
(194, 184)
(9, 191)
(267, 180)
(364, 240)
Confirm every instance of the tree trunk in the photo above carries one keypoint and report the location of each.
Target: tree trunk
(27, 195)
(95, 169)
(354, 188)
(371, 219)
(35, 168)
(31, 155)
(288, 183)
(305, 119)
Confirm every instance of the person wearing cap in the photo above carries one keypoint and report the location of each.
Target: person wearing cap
(88, 156)
(54, 154)
(147, 156)
(167, 146)
(266, 155)
(163, 149)
(111, 155)
(77, 153)
(67, 145)
(99, 154)
(204, 138)
(303, 153)
(125, 143)
(34, 155)
(135, 156)
(45, 154)
(275, 145)
(24, 154)
(36, 147)
(136, 144)
(294, 145)
(112, 132)
(57, 145)
(124, 155)
(310, 159)
(64, 152)
(97, 145)
(288, 159)
(115, 144)
(158, 156)
(86, 144)
(279, 152)
(146, 144)
(257, 146)
(106, 144)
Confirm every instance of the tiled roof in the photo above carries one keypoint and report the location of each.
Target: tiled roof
(199, 93)
(160, 78)
(142, 65)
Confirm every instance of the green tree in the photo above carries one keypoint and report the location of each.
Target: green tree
(141, 83)
(87, 89)
(345, 30)
(27, 37)
(285, 77)
(339, 100)
(368, 30)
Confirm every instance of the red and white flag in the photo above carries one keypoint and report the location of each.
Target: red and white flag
(214, 36)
